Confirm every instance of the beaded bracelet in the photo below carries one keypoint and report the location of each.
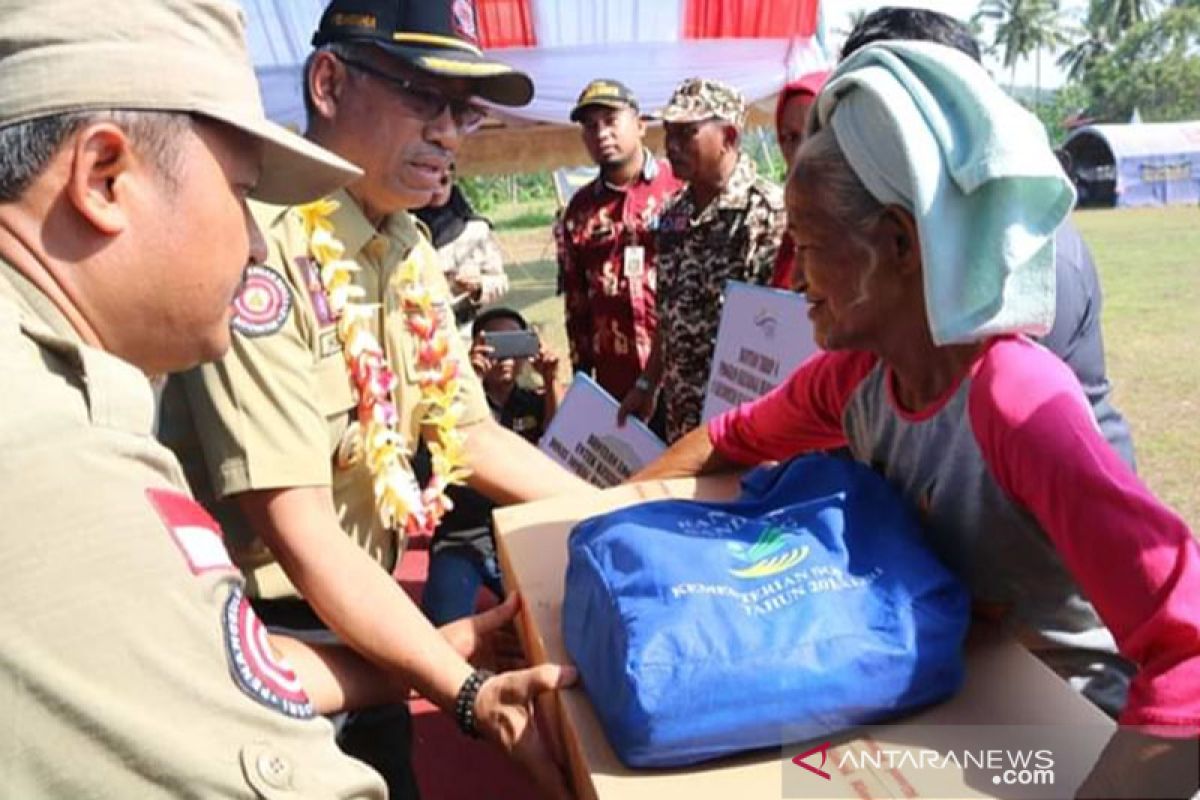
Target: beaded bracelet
(464, 702)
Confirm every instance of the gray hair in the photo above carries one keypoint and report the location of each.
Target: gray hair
(27, 147)
(352, 50)
(821, 163)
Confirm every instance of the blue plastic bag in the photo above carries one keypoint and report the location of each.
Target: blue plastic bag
(703, 629)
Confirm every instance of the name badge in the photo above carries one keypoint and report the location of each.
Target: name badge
(635, 262)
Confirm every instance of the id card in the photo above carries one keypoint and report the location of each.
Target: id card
(635, 262)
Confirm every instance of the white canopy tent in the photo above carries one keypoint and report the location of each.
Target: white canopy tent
(634, 41)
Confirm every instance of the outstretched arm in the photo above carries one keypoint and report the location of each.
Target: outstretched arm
(692, 455)
(495, 452)
(369, 611)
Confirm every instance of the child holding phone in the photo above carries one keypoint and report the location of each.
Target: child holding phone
(463, 553)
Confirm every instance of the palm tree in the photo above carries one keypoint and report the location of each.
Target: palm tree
(855, 19)
(1023, 28)
(1117, 16)
(1090, 44)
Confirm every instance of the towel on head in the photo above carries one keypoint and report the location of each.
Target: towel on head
(924, 127)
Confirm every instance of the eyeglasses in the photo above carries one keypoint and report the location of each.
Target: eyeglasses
(424, 102)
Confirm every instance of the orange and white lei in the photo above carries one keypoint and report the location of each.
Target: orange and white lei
(402, 504)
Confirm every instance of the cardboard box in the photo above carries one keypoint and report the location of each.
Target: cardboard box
(1008, 692)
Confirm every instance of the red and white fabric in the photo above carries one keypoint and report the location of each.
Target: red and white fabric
(651, 45)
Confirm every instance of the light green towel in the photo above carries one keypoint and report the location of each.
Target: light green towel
(925, 127)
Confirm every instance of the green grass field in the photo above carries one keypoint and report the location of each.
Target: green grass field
(1149, 263)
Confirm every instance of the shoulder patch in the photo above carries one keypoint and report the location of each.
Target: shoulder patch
(196, 534)
(263, 304)
(256, 669)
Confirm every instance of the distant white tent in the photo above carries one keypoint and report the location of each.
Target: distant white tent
(1140, 164)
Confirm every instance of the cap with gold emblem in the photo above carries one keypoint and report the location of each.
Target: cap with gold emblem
(153, 55)
(604, 92)
(437, 36)
(699, 99)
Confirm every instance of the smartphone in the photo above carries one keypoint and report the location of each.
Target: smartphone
(512, 344)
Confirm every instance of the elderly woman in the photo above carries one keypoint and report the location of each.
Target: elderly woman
(924, 206)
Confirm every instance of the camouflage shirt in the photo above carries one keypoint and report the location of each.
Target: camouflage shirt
(735, 237)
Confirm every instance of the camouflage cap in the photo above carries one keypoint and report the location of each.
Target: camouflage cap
(698, 99)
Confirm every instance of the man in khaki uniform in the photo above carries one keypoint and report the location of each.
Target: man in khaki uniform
(131, 665)
(269, 434)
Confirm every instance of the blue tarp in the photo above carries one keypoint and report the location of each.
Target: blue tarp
(1139, 164)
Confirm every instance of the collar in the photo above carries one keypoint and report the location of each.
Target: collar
(734, 195)
(117, 394)
(35, 306)
(355, 230)
(650, 170)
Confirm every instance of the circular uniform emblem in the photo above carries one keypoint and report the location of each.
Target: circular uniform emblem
(263, 304)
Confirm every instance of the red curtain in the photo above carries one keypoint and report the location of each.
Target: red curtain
(505, 23)
(755, 19)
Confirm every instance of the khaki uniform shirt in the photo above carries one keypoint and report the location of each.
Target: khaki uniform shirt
(272, 413)
(132, 665)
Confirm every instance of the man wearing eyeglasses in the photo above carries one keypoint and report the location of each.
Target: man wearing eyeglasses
(271, 435)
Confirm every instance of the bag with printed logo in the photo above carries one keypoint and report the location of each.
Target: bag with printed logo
(811, 602)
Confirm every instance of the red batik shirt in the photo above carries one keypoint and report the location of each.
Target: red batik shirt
(610, 284)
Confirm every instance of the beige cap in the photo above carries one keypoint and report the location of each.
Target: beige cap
(153, 55)
(700, 99)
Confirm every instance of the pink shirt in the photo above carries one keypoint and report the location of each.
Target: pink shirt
(1022, 496)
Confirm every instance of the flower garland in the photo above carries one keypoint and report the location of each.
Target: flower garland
(402, 504)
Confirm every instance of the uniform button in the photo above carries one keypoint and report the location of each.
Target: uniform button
(275, 769)
(378, 246)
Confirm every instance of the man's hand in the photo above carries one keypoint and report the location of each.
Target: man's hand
(545, 363)
(492, 288)
(639, 402)
(489, 640)
(481, 357)
(504, 708)
(504, 714)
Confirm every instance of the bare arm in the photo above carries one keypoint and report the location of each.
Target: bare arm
(369, 611)
(546, 365)
(692, 455)
(508, 469)
(359, 602)
(336, 678)
(552, 398)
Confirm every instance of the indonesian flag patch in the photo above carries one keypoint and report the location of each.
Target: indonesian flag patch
(196, 534)
(258, 672)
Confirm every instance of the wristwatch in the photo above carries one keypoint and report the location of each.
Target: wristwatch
(643, 384)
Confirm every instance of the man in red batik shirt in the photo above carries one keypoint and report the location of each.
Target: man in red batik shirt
(606, 241)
